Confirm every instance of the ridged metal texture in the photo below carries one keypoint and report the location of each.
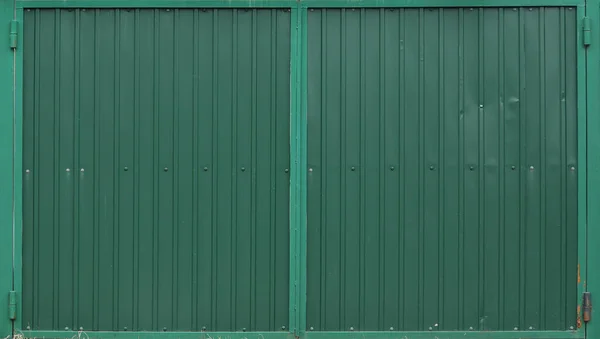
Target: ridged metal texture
(442, 176)
(156, 157)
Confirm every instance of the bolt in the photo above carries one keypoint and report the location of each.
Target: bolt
(430, 328)
(310, 169)
(126, 169)
(471, 167)
(244, 329)
(205, 169)
(164, 329)
(571, 328)
(68, 170)
(353, 168)
(516, 328)
(283, 327)
(513, 167)
(66, 328)
(531, 9)
(351, 328)
(125, 328)
(531, 327)
(312, 328)
(391, 328)
(166, 169)
(26, 171)
(82, 170)
(28, 327)
(287, 170)
(391, 168)
(531, 168)
(431, 168)
(203, 328)
(480, 106)
(514, 9)
(471, 328)
(572, 168)
(243, 169)
(81, 328)
(436, 325)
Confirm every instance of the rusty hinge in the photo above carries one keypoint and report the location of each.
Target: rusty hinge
(12, 305)
(587, 31)
(587, 306)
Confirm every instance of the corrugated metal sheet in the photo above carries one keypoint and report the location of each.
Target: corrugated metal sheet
(156, 157)
(442, 169)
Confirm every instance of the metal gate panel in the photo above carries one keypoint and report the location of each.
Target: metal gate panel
(442, 169)
(156, 169)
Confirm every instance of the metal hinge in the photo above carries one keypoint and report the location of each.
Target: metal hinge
(12, 305)
(587, 306)
(14, 34)
(587, 31)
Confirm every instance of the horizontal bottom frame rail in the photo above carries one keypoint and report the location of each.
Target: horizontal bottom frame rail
(307, 335)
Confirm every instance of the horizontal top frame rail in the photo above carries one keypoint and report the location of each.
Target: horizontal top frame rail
(290, 3)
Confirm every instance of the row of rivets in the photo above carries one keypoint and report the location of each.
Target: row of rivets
(311, 328)
(431, 168)
(166, 169)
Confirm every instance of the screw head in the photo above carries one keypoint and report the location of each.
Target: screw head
(513, 167)
(82, 170)
(203, 328)
(571, 328)
(27, 171)
(391, 168)
(125, 328)
(471, 167)
(205, 169)
(431, 168)
(531, 327)
(310, 170)
(125, 169)
(471, 328)
(166, 169)
(287, 170)
(430, 328)
(531, 168)
(68, 170)
(391, 328)
(572, 168)
(81, 328)
(480, 106)
(351, 328)
(312, 328)
(244, 329)
(28, 327)
(66, 328)
(353, 168)
(164, 329)
(516, 328)
(243, 169)
(283, 327)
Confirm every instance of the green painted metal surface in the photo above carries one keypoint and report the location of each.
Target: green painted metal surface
(156, 169)
(6, 168)
(442, 169)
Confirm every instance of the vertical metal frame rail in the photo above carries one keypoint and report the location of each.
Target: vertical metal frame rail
(11, 73)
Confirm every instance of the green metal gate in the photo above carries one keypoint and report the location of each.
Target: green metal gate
(294, 169)
(442, 155)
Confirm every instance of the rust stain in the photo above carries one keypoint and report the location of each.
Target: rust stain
(578, 274)
(578, 316)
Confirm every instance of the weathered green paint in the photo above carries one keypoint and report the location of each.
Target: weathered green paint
(307, 335)
(442, 184)
(156, 160)
(7, 114)
(289, 3)
(591, 283)
(83, 334)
